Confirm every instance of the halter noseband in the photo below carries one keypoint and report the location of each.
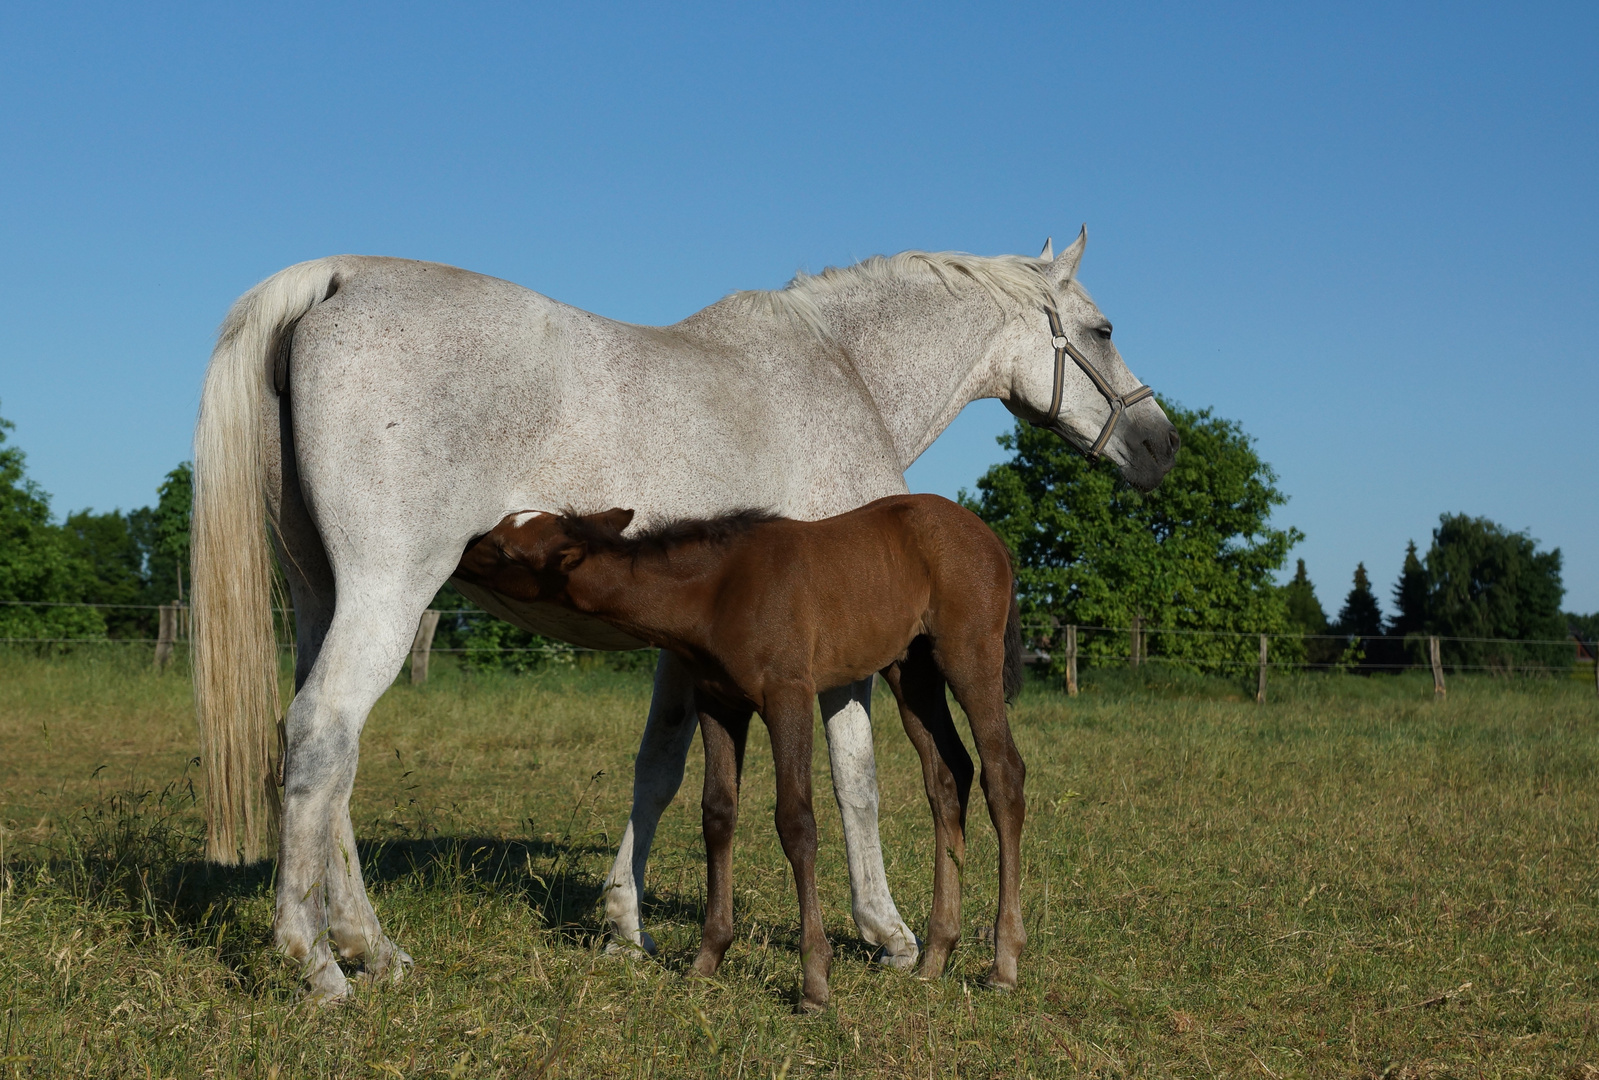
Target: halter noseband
(1119, 403)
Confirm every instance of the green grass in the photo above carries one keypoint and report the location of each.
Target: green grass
(1351, 880)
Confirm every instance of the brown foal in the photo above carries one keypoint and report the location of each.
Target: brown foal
(767, 611)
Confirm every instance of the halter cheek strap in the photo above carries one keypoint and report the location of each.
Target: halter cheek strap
(1119, 403)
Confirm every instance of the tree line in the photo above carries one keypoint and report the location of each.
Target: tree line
(1198, 555)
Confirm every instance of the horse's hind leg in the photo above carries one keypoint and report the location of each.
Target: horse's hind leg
(846, 717)
(947, 774)
(723, 731)
(318, 874)
(353, 926)
(975, 673)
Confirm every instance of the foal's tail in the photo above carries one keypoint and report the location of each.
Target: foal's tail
(1015, 669)
(235, 652)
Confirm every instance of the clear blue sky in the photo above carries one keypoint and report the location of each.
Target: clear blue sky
(1368, 233)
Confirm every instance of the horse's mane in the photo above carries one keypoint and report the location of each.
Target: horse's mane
(1008, 279)
(664, 537)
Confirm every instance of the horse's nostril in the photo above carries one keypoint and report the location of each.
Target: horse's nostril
(1175, 441)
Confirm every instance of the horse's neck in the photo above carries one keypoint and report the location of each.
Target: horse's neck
(922, 352)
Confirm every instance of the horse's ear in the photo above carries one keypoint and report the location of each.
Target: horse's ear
(571, 556)
(1048, 254)
(617, 518)
(1064, 268)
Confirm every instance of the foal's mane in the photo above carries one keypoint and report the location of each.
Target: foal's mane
(665, 537)
(1008, 280)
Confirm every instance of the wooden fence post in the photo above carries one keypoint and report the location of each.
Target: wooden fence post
(1438, 689)
(166, 634)
(1260, 689)
(1136, 644)
(1071, 660)
(422, 645)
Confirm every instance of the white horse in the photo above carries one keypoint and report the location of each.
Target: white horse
(383, 413)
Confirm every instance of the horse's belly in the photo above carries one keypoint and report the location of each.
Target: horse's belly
(584, 631)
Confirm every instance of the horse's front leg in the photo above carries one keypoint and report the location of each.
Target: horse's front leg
(657, 774)
(847, 720)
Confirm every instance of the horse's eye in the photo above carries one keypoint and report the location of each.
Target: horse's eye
(1103, 332)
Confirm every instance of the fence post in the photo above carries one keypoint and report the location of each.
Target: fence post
(166, 634)
(1260, 689)
(1071, 660)
(1135, 645)
(422, 645)
(1437, 668)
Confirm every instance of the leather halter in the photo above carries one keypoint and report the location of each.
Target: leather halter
(1119, 403)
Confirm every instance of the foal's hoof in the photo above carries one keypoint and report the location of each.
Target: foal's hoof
(632, 950)
(812, 1006)
(995, 981)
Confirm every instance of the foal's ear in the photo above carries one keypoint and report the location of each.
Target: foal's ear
(617, 518)
(569, 557)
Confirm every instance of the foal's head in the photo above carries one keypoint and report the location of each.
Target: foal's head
(531, 556)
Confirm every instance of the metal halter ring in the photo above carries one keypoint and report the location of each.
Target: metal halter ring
(1119, 403)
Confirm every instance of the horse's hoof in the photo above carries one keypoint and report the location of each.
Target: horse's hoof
(811, 1007)
(631, 950)
(392, 967)
(899, 955)
(323, 992)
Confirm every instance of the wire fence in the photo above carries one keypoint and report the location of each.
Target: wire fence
(1064, 649)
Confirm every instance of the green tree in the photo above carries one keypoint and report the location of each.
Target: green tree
(1197, 553)
(37, 567)
(115, 562)
(1484, 581)
(166, 529)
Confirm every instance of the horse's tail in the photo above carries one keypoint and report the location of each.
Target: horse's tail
(1015, 669)
(235, 652)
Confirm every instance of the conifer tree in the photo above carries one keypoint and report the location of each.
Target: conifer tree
(1360, 617)
(1410, 596)
(1304, 610)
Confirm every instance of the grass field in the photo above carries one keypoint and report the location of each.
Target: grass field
(1351, 880)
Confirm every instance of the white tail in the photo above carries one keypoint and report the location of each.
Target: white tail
(235, 646)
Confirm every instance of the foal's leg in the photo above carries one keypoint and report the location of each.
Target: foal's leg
(723, 731)
(788, 719)
(975, 677)
(947, 775)
(846, 716)
(657, 774)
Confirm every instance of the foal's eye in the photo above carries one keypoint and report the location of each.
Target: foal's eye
(1103, 332)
